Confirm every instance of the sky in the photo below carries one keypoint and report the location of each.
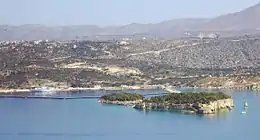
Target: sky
(112, 12)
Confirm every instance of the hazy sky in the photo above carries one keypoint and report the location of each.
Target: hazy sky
(112, 12)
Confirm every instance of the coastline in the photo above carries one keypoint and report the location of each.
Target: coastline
(143, 87)
(84, 89)
(123, 87)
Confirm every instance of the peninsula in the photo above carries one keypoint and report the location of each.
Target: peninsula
(200, 103)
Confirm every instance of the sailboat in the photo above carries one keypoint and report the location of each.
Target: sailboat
(245, 107)
(243, 112)
(245, 104)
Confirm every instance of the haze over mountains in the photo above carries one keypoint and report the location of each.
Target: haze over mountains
(246, 21)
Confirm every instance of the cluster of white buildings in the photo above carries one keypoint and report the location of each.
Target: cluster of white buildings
(203, 35)
(208, 35)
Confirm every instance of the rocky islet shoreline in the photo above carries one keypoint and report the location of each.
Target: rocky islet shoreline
(200, 103)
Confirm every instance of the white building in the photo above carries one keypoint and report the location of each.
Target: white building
(123, 43)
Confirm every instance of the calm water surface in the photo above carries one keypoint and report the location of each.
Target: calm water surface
(85, 119)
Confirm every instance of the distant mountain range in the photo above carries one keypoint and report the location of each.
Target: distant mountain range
(246, 21)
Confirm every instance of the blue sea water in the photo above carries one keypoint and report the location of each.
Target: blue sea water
(85, 119)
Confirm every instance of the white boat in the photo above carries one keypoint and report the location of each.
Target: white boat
(131, 106)
(245, 104)
(44, 90)
(170, 89)
(41, 89)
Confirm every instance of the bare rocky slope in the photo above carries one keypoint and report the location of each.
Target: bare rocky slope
(215, 54)
(246, 19)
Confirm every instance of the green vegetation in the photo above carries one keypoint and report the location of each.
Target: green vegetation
(122, 97)
(174, 98)
(188, 98)
(184, 102)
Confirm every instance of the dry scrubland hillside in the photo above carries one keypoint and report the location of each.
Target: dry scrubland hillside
(106, 63)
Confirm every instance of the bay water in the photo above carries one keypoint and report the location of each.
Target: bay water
(85, 119)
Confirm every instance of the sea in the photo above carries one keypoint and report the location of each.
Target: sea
(85, 119)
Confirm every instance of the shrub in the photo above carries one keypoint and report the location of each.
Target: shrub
(122, 97)
(188, 98)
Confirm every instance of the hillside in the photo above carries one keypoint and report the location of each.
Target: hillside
(215, 54)
(139, 62)
(246, 19)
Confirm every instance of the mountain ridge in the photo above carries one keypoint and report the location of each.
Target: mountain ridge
(246, 19)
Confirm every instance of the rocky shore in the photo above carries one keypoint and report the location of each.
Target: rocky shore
(199, 108)
(200, 103)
